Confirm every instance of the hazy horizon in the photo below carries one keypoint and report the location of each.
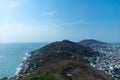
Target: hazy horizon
(26, 21)
(48, 42)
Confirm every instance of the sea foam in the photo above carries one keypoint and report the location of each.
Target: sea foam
(19, 68)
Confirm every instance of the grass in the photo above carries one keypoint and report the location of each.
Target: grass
(40, 77)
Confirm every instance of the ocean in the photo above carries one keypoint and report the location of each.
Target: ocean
(12, 54)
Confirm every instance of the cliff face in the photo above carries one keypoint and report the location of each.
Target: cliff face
(61, 61)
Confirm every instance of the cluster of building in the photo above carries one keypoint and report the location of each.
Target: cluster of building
(109, 61)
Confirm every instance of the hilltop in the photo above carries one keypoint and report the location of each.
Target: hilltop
(88, 42)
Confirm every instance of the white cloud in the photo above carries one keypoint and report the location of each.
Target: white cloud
(49, 13)
(70, 23)
(7, 9)
(10, 4)
(24, 33)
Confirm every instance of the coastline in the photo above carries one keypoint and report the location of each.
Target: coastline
(22, 65)
(13, 56)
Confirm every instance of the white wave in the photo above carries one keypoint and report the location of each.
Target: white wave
(19, 68)
(27, 54)
(24, 58)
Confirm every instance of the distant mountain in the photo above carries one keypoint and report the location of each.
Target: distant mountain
(88, 42)
(62, 60)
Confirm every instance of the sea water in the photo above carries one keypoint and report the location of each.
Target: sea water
(12, 54)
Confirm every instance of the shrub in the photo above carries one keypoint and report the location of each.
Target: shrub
(40, 77)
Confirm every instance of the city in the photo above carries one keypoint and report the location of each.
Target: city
(109, 61)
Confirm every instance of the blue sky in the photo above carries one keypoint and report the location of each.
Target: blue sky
(53, 20)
